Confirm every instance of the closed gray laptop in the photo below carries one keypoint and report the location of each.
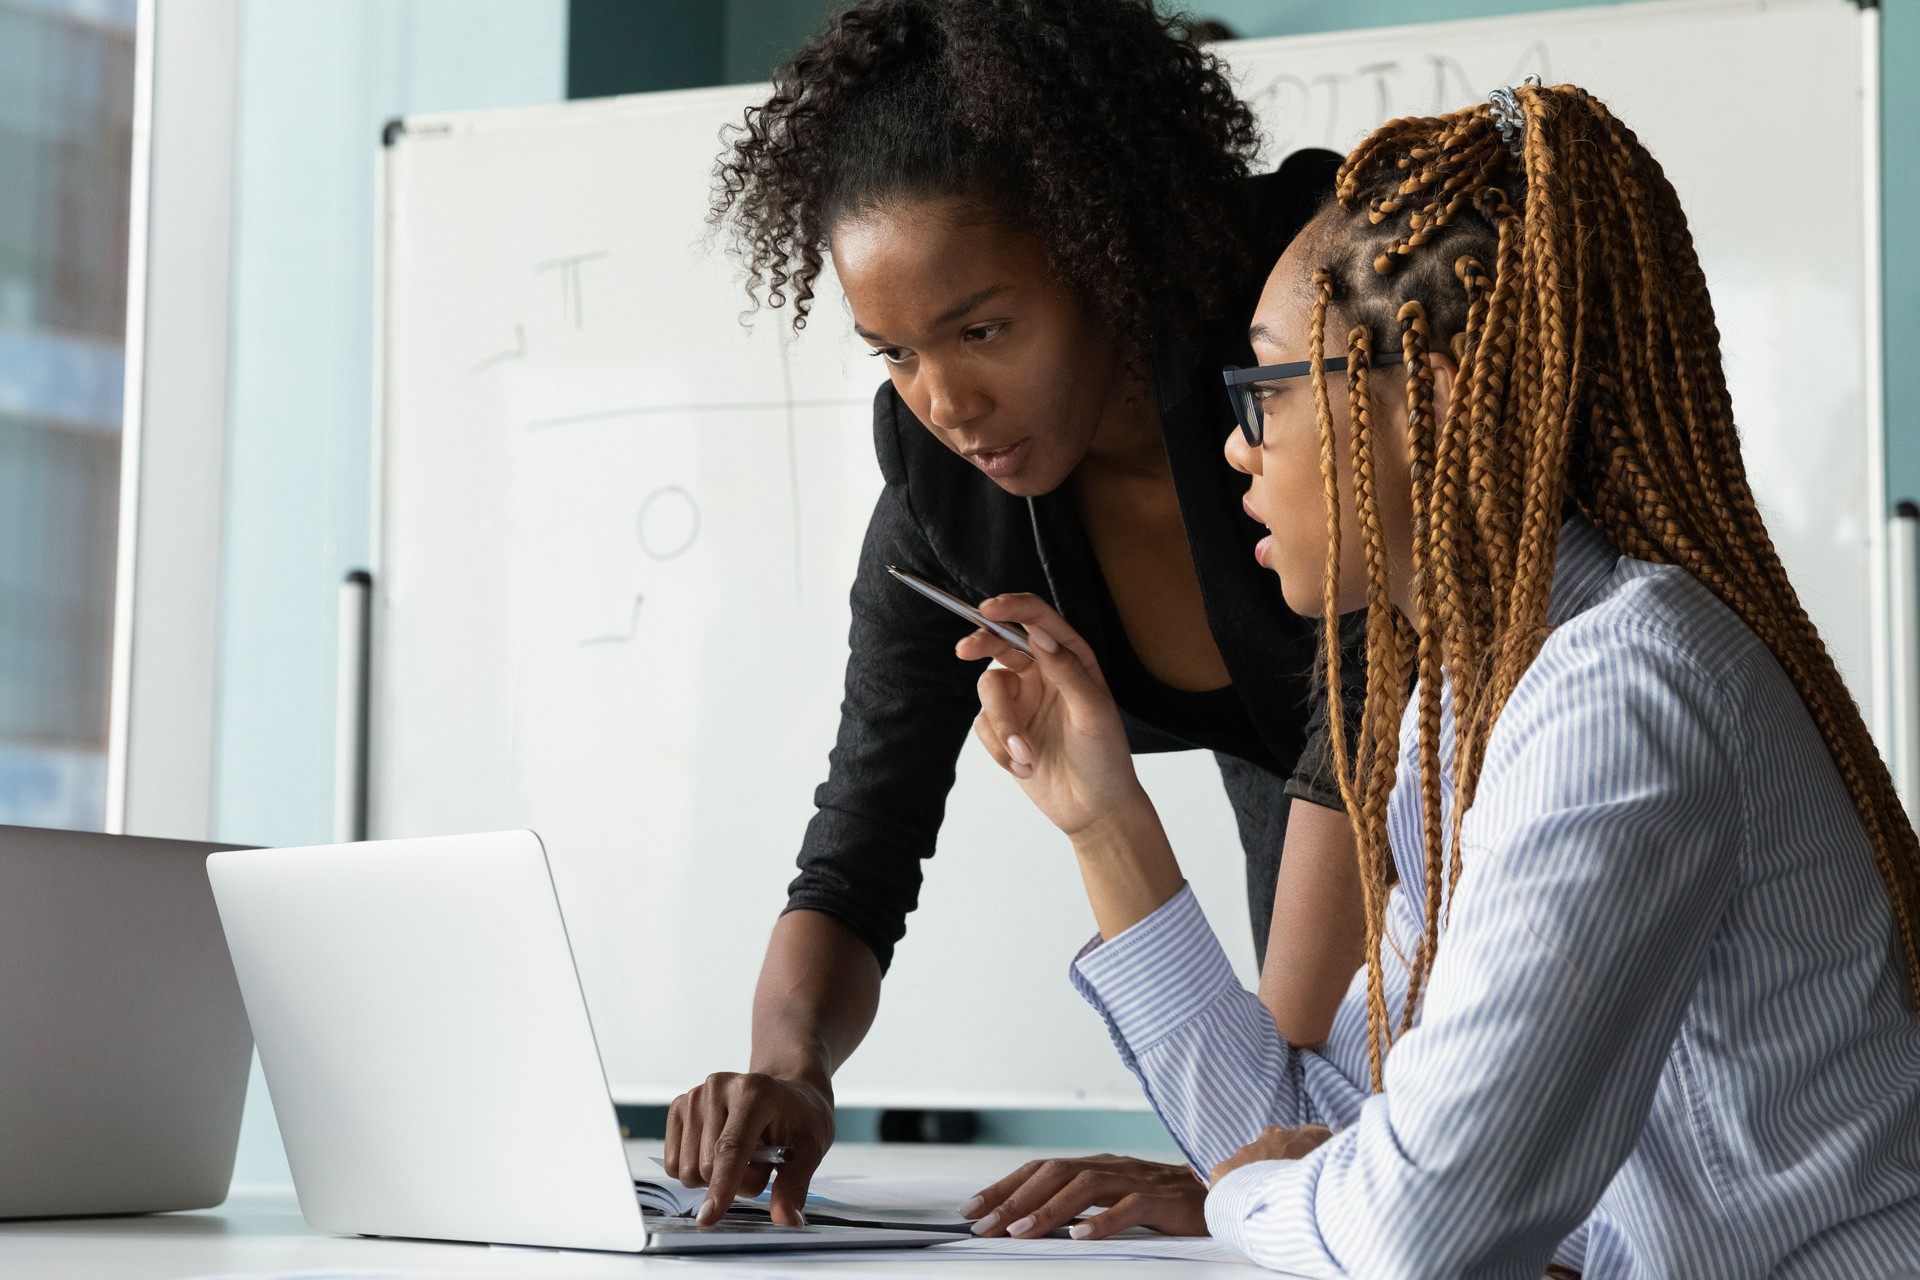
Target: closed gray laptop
(124, 1046)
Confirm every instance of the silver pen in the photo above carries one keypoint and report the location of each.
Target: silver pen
(1010, 632)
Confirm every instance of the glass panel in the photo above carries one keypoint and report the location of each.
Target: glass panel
(66, 131)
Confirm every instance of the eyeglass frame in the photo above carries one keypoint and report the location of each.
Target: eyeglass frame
(1253, 423)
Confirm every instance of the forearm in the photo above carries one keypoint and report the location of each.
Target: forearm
(819, 989)
(1318, 937)
(1127, 865)
(1204, 1047)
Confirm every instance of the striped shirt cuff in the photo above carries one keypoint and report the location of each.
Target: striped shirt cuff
(1149, 979)
(1241, 1195)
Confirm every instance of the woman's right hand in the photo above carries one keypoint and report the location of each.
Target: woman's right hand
(712, 1130)
(1049, 720)
(1044, 1195)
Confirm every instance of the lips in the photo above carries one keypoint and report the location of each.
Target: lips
(1001, 461)
(1262, 547)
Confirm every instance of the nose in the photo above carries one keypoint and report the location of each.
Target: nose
(1241, 456)
(953, 400)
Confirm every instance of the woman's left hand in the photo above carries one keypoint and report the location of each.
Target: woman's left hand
(1049, 719)
(1044, 1195)
(1274, 1144)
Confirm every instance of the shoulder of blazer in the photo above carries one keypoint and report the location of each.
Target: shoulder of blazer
(981, 535)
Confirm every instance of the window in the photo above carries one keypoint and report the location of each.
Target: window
(66, 126)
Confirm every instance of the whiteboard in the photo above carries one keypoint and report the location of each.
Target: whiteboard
(617, 523)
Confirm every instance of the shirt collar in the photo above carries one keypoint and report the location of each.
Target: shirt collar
(1582, 566)
(1173, 368)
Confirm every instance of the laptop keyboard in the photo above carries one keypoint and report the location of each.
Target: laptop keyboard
(726, 1226)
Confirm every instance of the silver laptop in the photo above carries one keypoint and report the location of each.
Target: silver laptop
(428, 1050)
(123, 1043)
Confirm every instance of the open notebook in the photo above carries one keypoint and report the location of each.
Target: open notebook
(903, 1203)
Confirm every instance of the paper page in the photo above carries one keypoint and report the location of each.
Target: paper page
(666, 1195)
(914, 1197)
(941, 1193)
(1129, 1248)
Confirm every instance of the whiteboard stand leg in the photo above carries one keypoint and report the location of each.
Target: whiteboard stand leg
(351, 701)
(1903, 611)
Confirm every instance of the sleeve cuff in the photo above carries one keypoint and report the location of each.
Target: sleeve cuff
(1327, 797)
(1153, 977)
(1241, 1195)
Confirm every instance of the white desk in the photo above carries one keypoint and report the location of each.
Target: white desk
(262, 1231)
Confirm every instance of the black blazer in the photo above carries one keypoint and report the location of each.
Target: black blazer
(910, 704)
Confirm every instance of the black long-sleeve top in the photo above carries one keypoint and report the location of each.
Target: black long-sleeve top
(910, 704)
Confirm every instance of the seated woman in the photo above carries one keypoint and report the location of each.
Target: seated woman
(1641, 1001)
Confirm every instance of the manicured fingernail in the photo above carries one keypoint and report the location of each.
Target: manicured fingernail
(986, 1224)
(972, 1207)
(1080, 1230)
(1017, 748)
(706, 1209)
(1021, 1227)
(801, 1217)
(1043, 640)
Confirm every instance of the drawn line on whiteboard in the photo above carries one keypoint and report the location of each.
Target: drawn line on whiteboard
(1308, 112)
(519, 352)
(669, 548)
(571, 306)
(1382, 91)
(633, 628)
(1332, 81)
(652, 410)
(1535, 59)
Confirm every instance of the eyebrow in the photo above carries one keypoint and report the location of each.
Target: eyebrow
(1258, 332)
(952, 313)
(968, 303)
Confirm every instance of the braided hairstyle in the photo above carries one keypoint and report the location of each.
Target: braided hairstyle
(1090, 123)
(1564, 282)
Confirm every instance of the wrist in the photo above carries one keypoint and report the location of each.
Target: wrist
(805, 1073)
(1120, 831)
(1126, 865)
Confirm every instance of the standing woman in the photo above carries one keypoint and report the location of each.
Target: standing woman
(1041, 214)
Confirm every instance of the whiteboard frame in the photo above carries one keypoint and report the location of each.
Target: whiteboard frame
(1879, 713)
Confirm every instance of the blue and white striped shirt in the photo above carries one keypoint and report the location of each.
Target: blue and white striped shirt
(1667, 1032)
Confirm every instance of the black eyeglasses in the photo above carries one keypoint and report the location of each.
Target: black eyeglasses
(1243, 383)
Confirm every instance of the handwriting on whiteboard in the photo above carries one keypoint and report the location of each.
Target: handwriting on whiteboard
(626, 637)
(1334, 109)
(571, 293)
(669, 523)
(518, 351)
(668, 520)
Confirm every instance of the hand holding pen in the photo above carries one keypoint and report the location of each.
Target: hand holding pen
(1047, 717)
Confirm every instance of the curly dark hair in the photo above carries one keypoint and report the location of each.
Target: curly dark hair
(1091, 123)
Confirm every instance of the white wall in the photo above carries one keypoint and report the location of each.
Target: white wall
(316, 83)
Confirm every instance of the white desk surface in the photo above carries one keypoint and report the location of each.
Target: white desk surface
(261, 1231)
